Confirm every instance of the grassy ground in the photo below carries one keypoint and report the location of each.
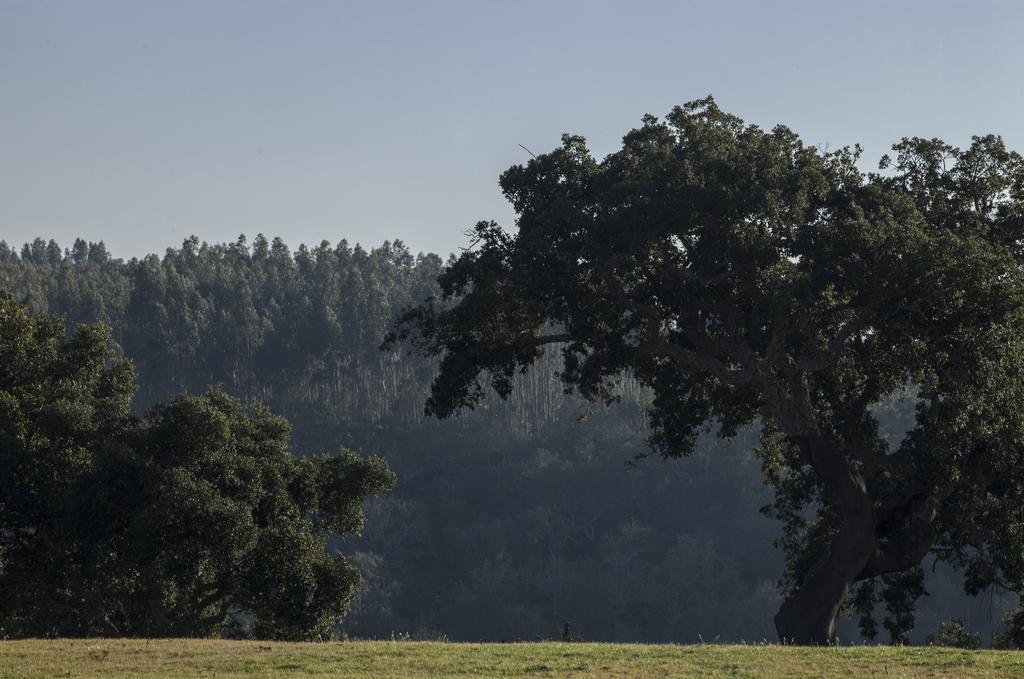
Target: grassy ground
(380, 660)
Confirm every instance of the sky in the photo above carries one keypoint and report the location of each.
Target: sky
(140, 123)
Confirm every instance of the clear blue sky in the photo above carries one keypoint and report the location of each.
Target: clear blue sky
(140, 123)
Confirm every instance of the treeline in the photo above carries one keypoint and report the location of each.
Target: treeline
(506, 522)
(298, 331)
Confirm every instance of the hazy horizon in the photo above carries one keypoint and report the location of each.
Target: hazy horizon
(140, 123)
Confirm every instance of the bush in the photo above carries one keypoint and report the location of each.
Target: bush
(1012, 635)
(954, 634)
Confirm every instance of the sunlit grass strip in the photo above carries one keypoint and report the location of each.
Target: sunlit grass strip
(384, 659)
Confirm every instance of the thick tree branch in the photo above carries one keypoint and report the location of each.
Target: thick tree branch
(541, 340)
(656, 341)
(700, 362)
(907, 548)
(827, 358)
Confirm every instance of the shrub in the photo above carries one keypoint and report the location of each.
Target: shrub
(954, 634)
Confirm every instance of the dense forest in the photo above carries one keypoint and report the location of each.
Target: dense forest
(508, 521)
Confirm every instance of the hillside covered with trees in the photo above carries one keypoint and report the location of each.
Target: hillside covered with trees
(507, 521)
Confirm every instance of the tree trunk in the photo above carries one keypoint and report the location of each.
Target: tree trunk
(808, 615)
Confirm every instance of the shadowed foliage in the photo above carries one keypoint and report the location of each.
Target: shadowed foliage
(194, 517)
(744, 277)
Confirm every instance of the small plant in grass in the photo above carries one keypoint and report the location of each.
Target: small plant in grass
(954, 634)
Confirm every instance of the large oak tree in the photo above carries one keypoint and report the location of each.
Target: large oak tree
(749, 279)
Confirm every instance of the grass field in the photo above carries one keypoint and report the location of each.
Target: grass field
(380, 659)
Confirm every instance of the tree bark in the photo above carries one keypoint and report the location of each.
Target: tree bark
(808, 615)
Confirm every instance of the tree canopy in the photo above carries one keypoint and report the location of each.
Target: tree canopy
(745, 277)
(189, 520)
